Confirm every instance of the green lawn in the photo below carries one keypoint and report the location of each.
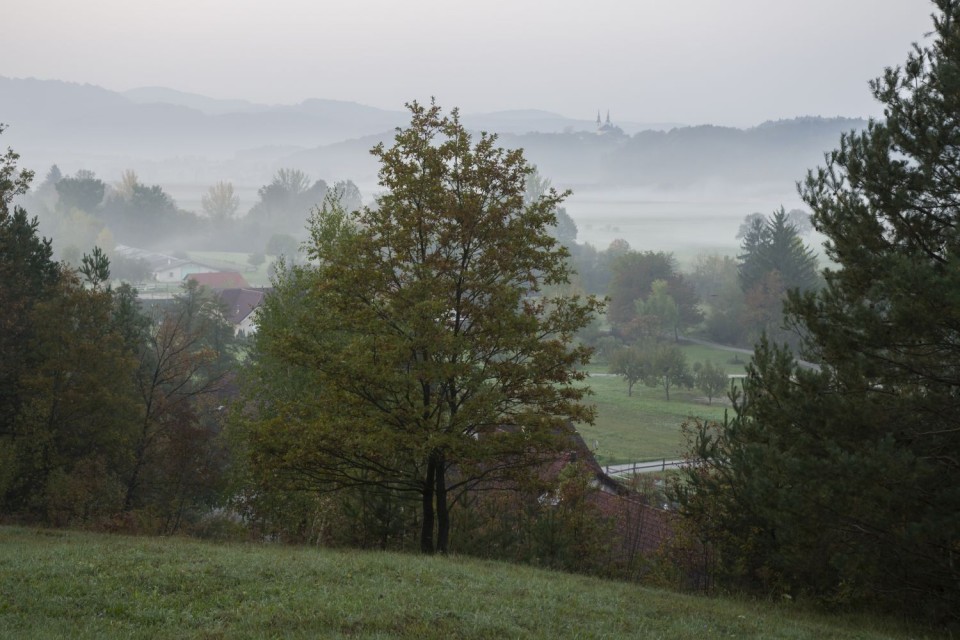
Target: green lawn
(732, 362)
(57, 584)
(646, 426)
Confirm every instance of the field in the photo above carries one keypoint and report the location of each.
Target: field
(646, 426)
(57, 584)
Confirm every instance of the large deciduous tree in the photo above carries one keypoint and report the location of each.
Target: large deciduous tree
(286, 202)
(83, 191)
(634, 274)
(433, 361)
(220, 202)
(843, 481)
(184, 353)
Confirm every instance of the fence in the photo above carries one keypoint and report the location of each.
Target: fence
(634, 468)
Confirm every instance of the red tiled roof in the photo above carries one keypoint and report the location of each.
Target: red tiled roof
(219, 280)
(638, 528)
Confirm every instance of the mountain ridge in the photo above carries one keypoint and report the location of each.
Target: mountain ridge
(173, 135)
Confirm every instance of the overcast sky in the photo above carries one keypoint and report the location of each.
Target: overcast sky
(734, 62)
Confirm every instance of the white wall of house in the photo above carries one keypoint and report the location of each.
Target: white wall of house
(247, 326)
(177, 272)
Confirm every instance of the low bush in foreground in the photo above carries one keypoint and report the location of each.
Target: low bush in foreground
(83, 585)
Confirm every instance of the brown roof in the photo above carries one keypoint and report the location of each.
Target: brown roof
(220, 280)
(240, 303)
(638, 528)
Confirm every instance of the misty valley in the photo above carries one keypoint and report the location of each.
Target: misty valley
(553, 375)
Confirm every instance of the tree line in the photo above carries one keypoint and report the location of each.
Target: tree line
(91, 212)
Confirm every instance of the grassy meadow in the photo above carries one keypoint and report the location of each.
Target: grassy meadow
(646, 426)
(59, 584)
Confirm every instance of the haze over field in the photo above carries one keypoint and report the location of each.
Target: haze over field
(188, 94)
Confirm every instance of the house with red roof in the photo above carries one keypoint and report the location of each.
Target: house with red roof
(220, 280)
(634, 528)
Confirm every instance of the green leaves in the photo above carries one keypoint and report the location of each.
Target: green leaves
(423, 324)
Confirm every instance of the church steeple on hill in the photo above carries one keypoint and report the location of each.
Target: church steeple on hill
(607, 127)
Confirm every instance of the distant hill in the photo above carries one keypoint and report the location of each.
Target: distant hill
(48, 116)
(774, 152)
(771, 152)
(209, 106)
(174, 136)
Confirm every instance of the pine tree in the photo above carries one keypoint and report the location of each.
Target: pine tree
(843, 481)
(774, 244)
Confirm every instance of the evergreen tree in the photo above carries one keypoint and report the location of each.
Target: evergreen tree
(843, 481)
(13, 182)
(27, 272)
(774, 244)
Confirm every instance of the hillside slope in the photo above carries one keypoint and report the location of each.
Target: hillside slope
(81, 585)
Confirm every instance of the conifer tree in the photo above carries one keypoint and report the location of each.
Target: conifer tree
(843, 481)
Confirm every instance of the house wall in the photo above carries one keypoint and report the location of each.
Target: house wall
(176, 273)
(247, 326)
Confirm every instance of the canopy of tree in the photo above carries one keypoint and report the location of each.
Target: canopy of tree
(431, 359)
(634, 276)
(106, 413)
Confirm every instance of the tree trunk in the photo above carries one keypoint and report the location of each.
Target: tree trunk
(133, 482)
(443, 510)
(426, 527)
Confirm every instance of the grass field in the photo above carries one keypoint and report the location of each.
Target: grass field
(646, 426)
(56, 584)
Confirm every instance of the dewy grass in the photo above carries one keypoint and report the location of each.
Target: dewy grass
(79, 585)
